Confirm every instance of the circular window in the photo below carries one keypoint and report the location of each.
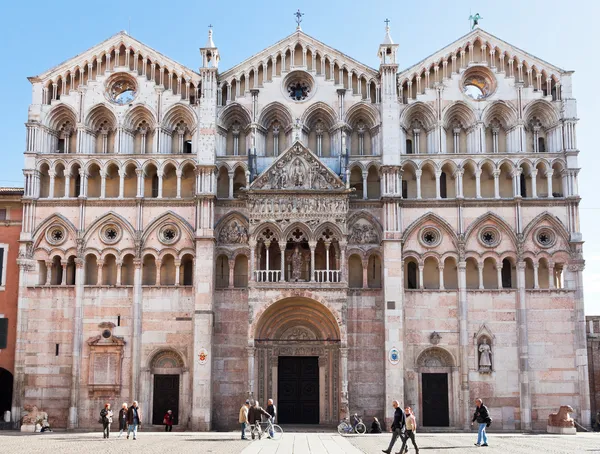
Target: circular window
(478, 83)
(106, 334)
(298, 86)
(168, 234)
(121, 89)
(545, 237)
(110, 234)
(56, 235)
(430, 237)
(489, 237)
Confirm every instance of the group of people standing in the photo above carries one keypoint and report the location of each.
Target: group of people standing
(251, 414)
(130, 419)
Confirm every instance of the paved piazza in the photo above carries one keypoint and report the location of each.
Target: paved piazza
(296, 443)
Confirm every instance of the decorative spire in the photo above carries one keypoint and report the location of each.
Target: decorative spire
(298, 15)
(388, 38)
(210, 44)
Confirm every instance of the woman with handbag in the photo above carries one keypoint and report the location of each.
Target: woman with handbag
(168, 421)
(106, 420)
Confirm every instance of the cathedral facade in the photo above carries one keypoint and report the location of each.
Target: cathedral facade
(306, 228)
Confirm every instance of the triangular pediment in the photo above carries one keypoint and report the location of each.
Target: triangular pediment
(307, 42)
(491, 41)
(298, 169)
(115, 42)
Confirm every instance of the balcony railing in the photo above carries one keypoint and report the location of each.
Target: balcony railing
(328, 275)
(267, 275)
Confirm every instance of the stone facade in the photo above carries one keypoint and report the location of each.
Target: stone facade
(302, 226)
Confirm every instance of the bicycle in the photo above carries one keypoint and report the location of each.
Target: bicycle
(345, 428)
(273, 431)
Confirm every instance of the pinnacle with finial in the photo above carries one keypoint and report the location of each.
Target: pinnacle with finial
(298, 15)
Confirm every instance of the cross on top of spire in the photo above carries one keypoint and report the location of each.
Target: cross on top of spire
(298, 15)
(387, 22)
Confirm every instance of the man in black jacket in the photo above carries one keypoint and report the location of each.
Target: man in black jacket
(397, 426)
(254, 417)
(482, 416)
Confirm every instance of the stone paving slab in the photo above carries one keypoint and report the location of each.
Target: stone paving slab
(291, 443)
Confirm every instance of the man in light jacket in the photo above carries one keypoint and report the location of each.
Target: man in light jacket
(244, 418)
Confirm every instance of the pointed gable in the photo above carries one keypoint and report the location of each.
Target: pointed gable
(298, 169)
(116, 42)
(307, 42)
(491, 42)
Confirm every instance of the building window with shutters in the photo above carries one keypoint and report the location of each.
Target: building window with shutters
(3, 332)
(3, 257)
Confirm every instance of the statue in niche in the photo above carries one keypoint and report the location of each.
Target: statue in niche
(234, 233)
(485, 356)
(297, 174)
(296, 264)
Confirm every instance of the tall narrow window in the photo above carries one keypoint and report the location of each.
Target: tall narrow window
(77, 187)
(443, 186)
(2, 266)
(61, 146)
(404, 189)
(2, 214)
(523, 184)
(541, 145)
(3, 332)
(409, 146)
(187, 147)
(154, 186)
(506, 274)
(412, 275)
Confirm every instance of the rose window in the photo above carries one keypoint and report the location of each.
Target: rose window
(545, 237)
(110, 234)
(478, 83)
(56, 235)
(430, 237)
(168, 234)
(121, 89)
(489, 237)
(298, 91)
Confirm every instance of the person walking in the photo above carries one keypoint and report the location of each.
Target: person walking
(134, 419)
(482, 416)
(255, 413)
(411, 428)
(122, 419)
(106, 418)
(397, 426)
(243, 419)
(168, 421)
(272, 410)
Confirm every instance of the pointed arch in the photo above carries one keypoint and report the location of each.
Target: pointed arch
(493, 217)
(110, 217)
(59, 116)
(420, 112)
(501, 111)
(234, 112)
(225, 220)
(550, 219)
(180, 113)
(275, 111)
(169, 216)
(363, 214)
(101, 115)
(430, 217)
(459, 112)
(543, 110)
(362, 111)
(319, 111)
(56, 218)
(139, 114)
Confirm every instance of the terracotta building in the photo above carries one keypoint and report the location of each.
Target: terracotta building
(11, 213)
(306, 228)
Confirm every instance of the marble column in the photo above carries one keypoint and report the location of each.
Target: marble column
(523, 349)
(77, 344)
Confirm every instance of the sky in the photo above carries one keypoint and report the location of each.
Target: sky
(38, 35)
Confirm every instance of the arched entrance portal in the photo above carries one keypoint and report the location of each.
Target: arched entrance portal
(299, 361)
(438, 388)
(167, 381)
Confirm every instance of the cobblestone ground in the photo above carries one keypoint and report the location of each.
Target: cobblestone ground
(291, 443)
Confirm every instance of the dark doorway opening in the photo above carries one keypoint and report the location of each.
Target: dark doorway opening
(435, 400)
(166, 397)
(6, 387)
(298, 390)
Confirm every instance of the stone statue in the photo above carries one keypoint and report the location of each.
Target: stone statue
(485, 356)
(561, 422)
(476, 18)
(296, 264)
(298, 174)
(234, 233)
(34, 417)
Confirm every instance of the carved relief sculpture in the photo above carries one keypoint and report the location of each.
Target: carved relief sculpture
(233, 233)
(296, 264)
